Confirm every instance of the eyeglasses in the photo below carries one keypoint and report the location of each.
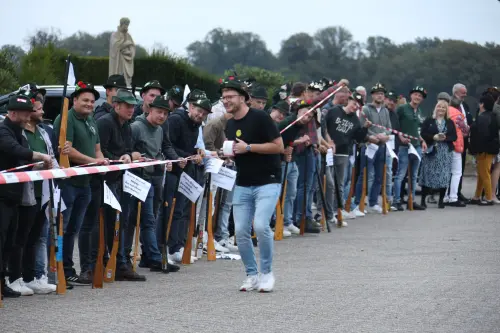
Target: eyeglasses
(228, 97)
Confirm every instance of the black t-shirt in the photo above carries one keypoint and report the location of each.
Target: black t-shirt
(344, 128)
(255, 169)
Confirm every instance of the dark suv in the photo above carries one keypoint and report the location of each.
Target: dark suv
(52, 103)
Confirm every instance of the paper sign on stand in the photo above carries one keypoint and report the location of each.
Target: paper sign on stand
(189, 187)
(371, 150)
(392, 142)
(213, 165)
(110, 199)
(390, 152)
(227, 148)
(136, 186)
(57, 196)
(224, 179)
(413, 151)
(329, 157)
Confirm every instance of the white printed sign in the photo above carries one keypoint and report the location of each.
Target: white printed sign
(136, 186)
(371, 150)
(57, 196)
(390, 152)
(329, 157)
(227, 148)
(189, 187)
(392, 142)
(110, 199)
(213, 165)
(224, 179)
(413, 151)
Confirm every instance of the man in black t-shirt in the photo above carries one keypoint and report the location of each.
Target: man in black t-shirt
(257, 147)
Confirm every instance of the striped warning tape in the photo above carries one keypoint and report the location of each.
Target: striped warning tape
(29, 176)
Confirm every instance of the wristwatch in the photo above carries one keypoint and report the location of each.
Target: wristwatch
(248, 147)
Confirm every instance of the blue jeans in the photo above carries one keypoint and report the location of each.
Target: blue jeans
(301, 160)
(347, 181)
(291, 191)
(376, 165)
(226, 203)
(403, 160)
(42, 250)
(88, 237)
(257, 204)
(388, 179)
(147, 225)
(76, 200)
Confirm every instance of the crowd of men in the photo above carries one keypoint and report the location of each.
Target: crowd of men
(292, 142)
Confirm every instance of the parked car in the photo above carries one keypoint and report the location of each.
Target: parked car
(52, 103)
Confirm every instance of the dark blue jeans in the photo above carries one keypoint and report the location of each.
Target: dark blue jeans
(301, 160)
(377, 165)
(88, 238)
(178, 229)
(76, 200)
(110, 219)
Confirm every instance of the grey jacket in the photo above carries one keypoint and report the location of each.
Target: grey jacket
(380, 118)
(147, 139)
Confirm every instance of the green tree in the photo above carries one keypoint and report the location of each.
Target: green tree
(8, 77)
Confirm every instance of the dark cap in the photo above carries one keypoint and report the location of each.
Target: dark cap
(203, 103)
(154, 84)
(378, 87)
(355, 96)
(176, 94)
(419, 89)
(283, 107)
(82, 87)
(258, 91)
(392, 96)
(161, 102)
(195, 95)
(20, 103)
(116, 81)
(231, 82)
(124, 96)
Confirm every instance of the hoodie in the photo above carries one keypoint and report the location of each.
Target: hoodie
(183, 133)
(147, 139)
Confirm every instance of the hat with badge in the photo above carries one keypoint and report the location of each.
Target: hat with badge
(154, 84)
(20, 103)
(203, 103)
(231, 82)
(419, 89)
(300, 104)
(116, 81)
(196, 94)
(161, 102)
(392, 96)
(355, 96)
(378, 87)
(283, 107)
(258, 91)
(176, 94)
(124, 96)
(82, 87)
(315, 85)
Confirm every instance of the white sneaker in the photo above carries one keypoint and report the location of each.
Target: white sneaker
(228, 245)
(496, 201)
(266, 282)
(220, 248)
(348, 215)
(41, 286)
(375, 209)
(251, 283)
(344, 224)
(333, 220)
(358, 213)
(177, 257)
(293, 229)
(20, 287)
(286, 232)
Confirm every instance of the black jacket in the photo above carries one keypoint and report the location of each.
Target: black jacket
(137, 111)
(429, 129)
(183, 133)
(166, 147)
(484, 137)
(115, 138)
(15, 152)
(102, 110)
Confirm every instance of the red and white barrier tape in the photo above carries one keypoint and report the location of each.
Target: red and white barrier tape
(390, 129)
(29, 176)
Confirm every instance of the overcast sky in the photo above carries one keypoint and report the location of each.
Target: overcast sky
(176, 26)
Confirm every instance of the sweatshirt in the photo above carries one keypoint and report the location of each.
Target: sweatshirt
(147, 139)
(183, 134)
(381, 117)
(344, 128)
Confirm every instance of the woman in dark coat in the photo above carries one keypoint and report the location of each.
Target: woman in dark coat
(439, 133)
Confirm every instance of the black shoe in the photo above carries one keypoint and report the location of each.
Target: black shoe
(127, 274)
(172, 268)
(462, 198)
(441, 205)
(144, 263)
(418, 207)
(457, 203)
(9, 293)
(432, 200)
(486, 203)
(474, 202)
(84, 279)
(399, 207)
(155, 266)
(312, 227)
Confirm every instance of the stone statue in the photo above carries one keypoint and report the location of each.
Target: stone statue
(122, 52)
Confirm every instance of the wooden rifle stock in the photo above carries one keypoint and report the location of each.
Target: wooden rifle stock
(384, 184)
(365, 182)
(137, 231)
(111, 266)
(410, 187)
(280, 208)
(186, 256)
(97, 282)
(210, 230)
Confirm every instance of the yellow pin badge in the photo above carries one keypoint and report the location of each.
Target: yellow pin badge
(238, 133)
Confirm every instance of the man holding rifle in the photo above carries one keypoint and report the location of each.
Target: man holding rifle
(15, 152)
(116, 144)
(85, 147)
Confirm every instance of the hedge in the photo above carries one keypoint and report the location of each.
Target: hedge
(169, 71)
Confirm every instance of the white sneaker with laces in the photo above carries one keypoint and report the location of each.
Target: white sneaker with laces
(344, 223)
(220, 248)
(348, 215)
(20, 287)
(293, 229)
(228, 245)
(267, 282)
(358, 213)
(250, 283)
(45, 280)
(286, 232)
(375, 209)
(40, 286)
(333, 220)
